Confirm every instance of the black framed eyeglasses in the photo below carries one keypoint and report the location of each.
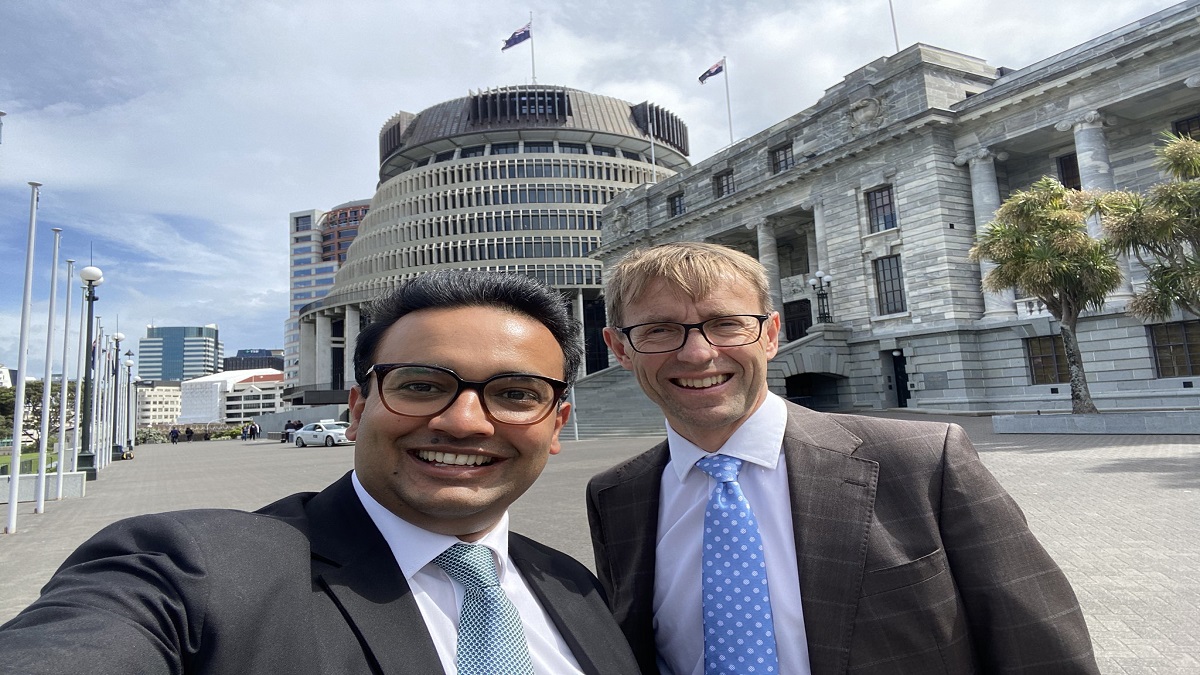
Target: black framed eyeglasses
(659, 337)
(422, 390)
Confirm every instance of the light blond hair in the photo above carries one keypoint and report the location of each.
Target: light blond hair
(696, 268)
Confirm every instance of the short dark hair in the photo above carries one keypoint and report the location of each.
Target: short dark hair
(447, 289)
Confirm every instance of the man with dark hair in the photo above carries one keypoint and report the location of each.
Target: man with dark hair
(404, 565)
(763, 537)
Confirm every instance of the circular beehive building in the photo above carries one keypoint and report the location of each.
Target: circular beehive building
(510, 180)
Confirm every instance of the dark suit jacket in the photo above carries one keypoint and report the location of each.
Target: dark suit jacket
(912, 557)
(305, 585)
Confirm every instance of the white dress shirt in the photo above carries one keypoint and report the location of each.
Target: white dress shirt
(440, 598)
(678, 624)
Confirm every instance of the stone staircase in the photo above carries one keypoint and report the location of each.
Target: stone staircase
(610, 403)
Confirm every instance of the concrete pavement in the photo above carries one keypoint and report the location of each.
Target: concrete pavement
(1120, 514)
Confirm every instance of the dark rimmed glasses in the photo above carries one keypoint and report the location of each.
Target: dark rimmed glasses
(659, 337)
(421, 390)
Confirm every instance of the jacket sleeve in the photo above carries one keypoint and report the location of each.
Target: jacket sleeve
(129, 600)
(1022, 613)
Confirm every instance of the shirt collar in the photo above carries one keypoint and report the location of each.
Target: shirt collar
(414, 547)
(759, 440)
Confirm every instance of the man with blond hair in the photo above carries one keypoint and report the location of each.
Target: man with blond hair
(762, 537)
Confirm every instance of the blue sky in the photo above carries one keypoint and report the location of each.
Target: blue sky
(173, 138)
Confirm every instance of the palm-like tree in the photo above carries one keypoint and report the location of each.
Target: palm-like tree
(1040, 244)
(1162, 230)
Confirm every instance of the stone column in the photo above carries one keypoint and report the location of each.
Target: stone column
(985, 200)
(323, 349)
(351, 333)
(582, 333)
(308, 342)
(1095, 173)
(768, 255)
(818, 255)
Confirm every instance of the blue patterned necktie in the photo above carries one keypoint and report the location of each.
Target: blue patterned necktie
(490, 638)
(739, 633)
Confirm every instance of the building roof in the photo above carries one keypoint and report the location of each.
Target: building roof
(230, 377)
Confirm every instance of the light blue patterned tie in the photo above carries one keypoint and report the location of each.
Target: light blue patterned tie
(739, 633)
(490, 638)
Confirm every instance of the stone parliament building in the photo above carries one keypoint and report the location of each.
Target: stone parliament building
(875, 193)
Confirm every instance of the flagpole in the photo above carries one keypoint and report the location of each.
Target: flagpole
(895, 35)
(62, 390)
(18, 427)
(728, 109)
(653, 163)
(47, 374)
(532, 62)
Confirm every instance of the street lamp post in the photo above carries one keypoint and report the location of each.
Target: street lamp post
(92, 277)
(129, 403)
(821, 283)
(115, 380)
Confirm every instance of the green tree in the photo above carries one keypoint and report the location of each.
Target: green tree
(1162, 230)
(33, 409)
(1040, 244)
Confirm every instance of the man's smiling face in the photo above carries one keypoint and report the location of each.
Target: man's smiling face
(458, 471)
(705, 392)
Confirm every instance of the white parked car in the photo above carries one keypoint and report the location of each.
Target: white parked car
(328, 433)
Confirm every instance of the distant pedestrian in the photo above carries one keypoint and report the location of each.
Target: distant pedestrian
(245, 431)
(189, 433)
(174, 435)
(253, 431)
(287, 432)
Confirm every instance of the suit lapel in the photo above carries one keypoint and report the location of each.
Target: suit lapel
(563, 600)
(352, 562)
(629, 516)
(832, 495)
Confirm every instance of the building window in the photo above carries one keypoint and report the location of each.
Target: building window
(473, 151)
(1047, 360)
(631, 155)
(504, 148)
(302, 223)
(722, 184)
(572, 148)
(889, 285)
(881, 209)
(782, 159)
(539, 146)
(675, 205)
(1189, 127)
(1068, 171)
(1176, 348)
(603, 151)
(441, 157)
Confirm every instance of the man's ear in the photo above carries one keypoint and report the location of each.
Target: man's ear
(358, 401)
(615, 340)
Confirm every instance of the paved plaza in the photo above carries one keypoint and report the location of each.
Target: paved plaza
(1120, 514)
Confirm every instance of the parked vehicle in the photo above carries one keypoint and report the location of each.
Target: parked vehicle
(325, 432)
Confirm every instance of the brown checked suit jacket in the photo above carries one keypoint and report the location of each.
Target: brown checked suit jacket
(912, 557)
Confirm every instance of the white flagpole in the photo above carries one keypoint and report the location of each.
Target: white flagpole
(18, 427)
(728, 109)
(653, 163)
(62, 391)
(895, 35)
(532, 63)
(47, 373)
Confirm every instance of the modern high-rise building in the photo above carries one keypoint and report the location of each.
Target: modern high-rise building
(254, 358)
(179, 352)
(319, 241)
(511, 180)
